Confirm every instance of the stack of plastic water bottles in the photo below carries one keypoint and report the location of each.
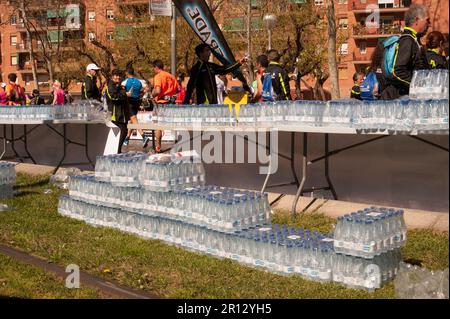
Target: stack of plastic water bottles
(429, 84)
(7, 179)
(234, 224)
(370, 232)
(158, 173)
(85, 111)
(278, 249)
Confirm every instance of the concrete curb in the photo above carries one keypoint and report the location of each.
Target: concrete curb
(415, 219)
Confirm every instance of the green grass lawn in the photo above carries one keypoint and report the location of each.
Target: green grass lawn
(18, 280)
(34, 225)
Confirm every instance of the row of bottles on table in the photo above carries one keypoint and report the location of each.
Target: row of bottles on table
(218, 208)
(200, 114)
(279, 249)
(403, 115)
(370, 232)
(429, 84)
(159, 173)
(86, 111)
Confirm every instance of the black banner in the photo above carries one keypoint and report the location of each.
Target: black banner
(201, 20)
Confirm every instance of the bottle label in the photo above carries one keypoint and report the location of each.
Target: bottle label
(325, 275)
(374, 214)
(340, 243)
(338, 277)
(328, 240)
(102, 174)
(293, 237)
(259, 263)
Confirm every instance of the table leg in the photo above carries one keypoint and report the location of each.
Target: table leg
(64, 136)
(86, 147)
(269, 173)
(304, 173)
(327, 171)
(25, 142)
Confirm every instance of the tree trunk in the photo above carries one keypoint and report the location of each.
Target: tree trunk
(49, 69)
(332, 61)
(30, 39)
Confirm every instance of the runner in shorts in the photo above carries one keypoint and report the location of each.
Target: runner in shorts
(165, 90)
(134, 88)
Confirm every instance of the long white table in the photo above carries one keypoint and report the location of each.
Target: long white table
(30, 125)
(306, 161)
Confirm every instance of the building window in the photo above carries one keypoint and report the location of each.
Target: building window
(110, 35)
(13, 20)
(91, 15)
(342, 1)
(13, 40)
(319, 2)
(91, 36)
(343, 23)
(363, 47)
(14, 60)
(110, 14)
(343, 49)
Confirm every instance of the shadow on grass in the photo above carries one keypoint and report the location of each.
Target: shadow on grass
(26, 193)
(37, 183)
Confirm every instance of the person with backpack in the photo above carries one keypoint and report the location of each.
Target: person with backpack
(15, 94)
(402, 55)
(434, 51)
(134, 89)
(374, 82)
(275, 80)
(36, 98)
(358, 79)
(202, 76)
(262, 62)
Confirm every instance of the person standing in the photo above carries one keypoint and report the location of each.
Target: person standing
(90, 90)
(202, 76)
(182, 90)
(58, 94)
(435, 51)
(116, 98)
(36, 98)
(358, 79)
(165, 89)
(134, 89)
(262, 62)
(222, 84)
(3, 100)
(408, 56)
(15, 94)
(276, 80)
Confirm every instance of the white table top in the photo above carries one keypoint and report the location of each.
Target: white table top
(280, 128)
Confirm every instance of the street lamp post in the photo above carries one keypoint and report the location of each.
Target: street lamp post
(270, 20)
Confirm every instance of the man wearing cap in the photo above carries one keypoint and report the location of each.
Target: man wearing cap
(89, 90)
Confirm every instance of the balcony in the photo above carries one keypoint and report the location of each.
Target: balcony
(25, 68)
(363, 59)
(397, 6)
(361, 32)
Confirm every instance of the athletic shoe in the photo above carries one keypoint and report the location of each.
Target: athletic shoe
(126, 142)
(158, 149)
(145, 142)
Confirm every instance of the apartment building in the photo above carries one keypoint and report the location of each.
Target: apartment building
(86, 20)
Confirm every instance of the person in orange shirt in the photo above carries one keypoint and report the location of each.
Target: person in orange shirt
(15, 94)
(165, 90)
